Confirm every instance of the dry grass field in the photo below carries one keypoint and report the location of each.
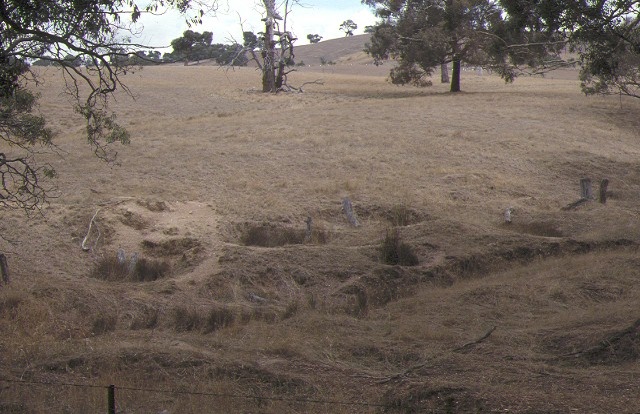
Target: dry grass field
(238, 310)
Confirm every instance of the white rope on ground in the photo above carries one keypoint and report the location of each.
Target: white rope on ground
(84, 241)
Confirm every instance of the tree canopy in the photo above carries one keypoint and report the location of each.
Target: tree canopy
(195, 46)
(85, 39)
(348, 27)
(314, 38)
(423, 34)
(511, 37)
(604, 34)
(192, 45)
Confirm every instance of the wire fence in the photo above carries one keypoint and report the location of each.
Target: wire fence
(53, 396)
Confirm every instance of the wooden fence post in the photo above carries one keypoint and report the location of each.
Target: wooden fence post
(111, 399)
(309, 231)
(604, 184)
(121, 256)
(507, 215)
(348, 210)
(585, 188)
(4, 268)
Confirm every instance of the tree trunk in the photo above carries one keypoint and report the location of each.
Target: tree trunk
(444, 73)
(455, 76)
(269, 54)
(280, 76)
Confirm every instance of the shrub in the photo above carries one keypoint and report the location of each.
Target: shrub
(324, 61)
(394, 252)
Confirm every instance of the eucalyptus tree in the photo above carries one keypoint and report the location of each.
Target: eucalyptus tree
(314, 38)
(192, 46)
(604, 34)
(273, 49)
(348, 27)
(425, 34)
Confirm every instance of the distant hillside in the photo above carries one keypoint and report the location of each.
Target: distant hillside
(347, 53)
(334, 50)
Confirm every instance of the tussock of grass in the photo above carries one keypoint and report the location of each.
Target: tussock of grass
(149, 270)
(395, 252)
(190, 318)
(10, 301)
(111, 269)
(186, 319)
(319, 234)
(400, 215)
(103, 324)
(291, 309)
(272, 235)
(443, 399)
(145, 320)
(218, 318)
(265, 235)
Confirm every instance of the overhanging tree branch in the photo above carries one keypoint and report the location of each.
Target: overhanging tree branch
(82, 38)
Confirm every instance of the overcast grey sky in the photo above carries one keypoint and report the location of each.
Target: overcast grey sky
(321, 17)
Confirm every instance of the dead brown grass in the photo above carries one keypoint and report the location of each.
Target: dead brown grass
(269, 326)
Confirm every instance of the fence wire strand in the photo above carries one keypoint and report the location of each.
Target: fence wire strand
(198, 393)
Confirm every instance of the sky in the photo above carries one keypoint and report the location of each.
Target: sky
(322, 17)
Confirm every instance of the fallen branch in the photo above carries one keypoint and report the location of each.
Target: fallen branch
(115, 202)
(586, 194)
(300, 90)
(575, 204)
(476, 342)
(84, 241)
(288, 88)
(402, 374)
(417, 367)
(255, 298)
(608, 345)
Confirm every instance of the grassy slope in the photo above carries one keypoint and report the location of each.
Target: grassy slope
(213, 160)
